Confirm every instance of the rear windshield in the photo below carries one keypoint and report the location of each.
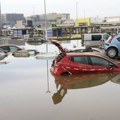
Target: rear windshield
(60, 57)
(118, 39)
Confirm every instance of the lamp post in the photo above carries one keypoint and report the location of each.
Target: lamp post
(77, 20)
(45, 28)
(45, 25)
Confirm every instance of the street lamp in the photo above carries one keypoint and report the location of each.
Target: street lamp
(45, 25)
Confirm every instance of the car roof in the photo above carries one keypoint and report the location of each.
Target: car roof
(91, 54)
(85, 53)
(8, 45)
(84, 47)
(117, 35)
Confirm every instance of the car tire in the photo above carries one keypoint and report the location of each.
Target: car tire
(112, 52)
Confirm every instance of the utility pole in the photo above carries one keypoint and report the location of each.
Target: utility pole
(0, 20)
(45, 25)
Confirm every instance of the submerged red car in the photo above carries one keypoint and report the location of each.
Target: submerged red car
(86, 62)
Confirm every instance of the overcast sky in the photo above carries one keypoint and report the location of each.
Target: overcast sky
(85, 8)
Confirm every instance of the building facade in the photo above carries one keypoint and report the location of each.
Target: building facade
(12, 18)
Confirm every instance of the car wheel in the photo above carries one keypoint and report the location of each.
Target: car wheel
(112, 52)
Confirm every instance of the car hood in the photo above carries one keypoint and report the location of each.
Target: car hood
(57, 44)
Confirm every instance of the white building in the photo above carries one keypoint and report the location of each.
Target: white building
(114, 19)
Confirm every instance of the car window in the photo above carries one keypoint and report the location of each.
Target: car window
(99, 61)
(14, 49)
(118, 39)
(1, 49)
(5, 48)
(106, 36)
(96, 37)
(60, 57)
(80, 59)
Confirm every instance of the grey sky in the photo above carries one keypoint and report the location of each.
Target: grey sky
(85, 8)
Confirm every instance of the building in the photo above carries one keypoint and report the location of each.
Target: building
(113, 19)
(111, 25)
(82, 22)
(52, 19)
(11, 18)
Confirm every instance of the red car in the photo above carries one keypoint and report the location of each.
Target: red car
(86, 62)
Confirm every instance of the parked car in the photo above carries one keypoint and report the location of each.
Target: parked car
(86, 62)
(10, 48)
(25, 53)
(112, 46)
(17, 51)
(94, 39)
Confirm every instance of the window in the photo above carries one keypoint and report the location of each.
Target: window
(80, 59)
(96, 37)
(6, 48)
(99, 61)
(118, 39)
(14, 49)
(59, 57)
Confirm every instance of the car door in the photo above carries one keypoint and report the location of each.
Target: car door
(99, 64)
(80, 64)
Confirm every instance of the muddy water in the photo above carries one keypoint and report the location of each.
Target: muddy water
(29, 92)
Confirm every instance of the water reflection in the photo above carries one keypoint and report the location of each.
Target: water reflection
(116, 79)
(26, 91)
(63, 83)
(14, 41)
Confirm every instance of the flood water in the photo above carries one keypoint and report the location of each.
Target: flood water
(28, 91)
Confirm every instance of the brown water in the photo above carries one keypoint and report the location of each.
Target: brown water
(29, 92)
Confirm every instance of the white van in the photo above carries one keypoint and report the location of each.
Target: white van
(94, 39)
